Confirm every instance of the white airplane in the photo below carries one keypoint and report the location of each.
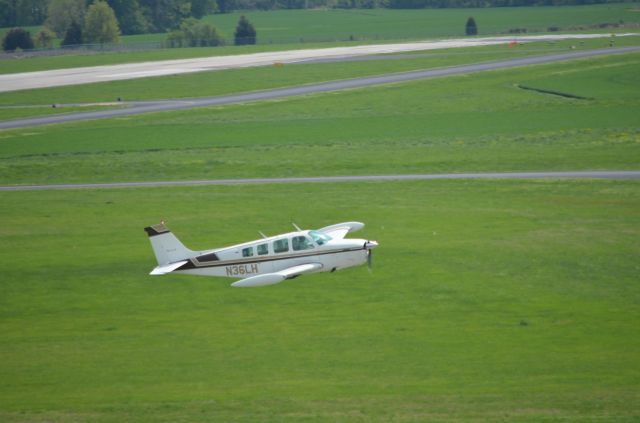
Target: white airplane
(265, 261)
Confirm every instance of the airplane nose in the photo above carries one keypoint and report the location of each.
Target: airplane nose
(370, 245)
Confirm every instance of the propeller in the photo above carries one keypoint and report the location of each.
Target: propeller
(369, 246)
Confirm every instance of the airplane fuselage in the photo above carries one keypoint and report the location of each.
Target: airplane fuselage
(275, 254)
(264, 261)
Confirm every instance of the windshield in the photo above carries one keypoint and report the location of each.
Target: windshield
(319, 238)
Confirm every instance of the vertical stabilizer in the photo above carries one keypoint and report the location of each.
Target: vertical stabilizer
(167, 248)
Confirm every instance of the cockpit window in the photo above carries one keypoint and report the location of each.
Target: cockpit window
(301, 243)
(319, 237)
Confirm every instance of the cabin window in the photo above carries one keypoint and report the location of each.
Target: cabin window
(301, 243)
(247, 252)
(281, 245)
(263, 249)
(207, 257)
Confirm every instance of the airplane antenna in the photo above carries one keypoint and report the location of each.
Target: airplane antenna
(296, 226)
(263, 235)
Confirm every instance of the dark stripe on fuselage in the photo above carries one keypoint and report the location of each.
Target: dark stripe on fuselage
(250, 260)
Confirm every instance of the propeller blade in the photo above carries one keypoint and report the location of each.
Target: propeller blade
(370, 260)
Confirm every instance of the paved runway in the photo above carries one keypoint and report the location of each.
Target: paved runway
(169, 105)
(630, 174)
(88, 75)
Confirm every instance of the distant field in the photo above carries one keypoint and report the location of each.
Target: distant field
(307, 28)
(489, 301)
(266, 77)
(383, 24)
(464, 123)
(294, 26)
(492, 300)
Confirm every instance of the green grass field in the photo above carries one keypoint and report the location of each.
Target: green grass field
(266, 77)
(384, 24)
(287, 29)
(292, 26)
(403, 128)
(493, 300)
(490, 300)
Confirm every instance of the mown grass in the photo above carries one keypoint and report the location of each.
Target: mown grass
(286, 29)
(384, 24)
(489, 300)
(18, 112)
(480, 122)
(333, 25)
(266, 77)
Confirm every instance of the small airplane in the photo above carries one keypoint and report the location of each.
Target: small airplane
(266, 261)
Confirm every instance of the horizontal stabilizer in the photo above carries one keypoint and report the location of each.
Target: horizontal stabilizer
(167, 268)
(277, 277)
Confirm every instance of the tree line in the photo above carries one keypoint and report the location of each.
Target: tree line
(75, 24)
(143, 16)
(133, 16)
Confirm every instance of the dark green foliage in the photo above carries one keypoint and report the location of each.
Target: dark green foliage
(130, 16)
(441, 4)
(165, 14)
(44, 38)
(194, 33)
(73, 36)
(61, 13)
(176, 39)
(200, 8)
(22, 12)
(245, 32)
(225, 6)
(17, 38)
(100, 24)
(471, 28)
(139, 16)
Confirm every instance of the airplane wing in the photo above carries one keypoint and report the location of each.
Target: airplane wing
(277, 277)
(167, 268)
(340, 230)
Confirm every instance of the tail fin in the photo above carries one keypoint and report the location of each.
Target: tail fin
(167, 248)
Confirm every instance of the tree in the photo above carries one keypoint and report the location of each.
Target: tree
(245, 32)
(100, 24)
(471, 27)
(195, 33)
(73, 36)
(62, 13)
(31, 12)
(200, 8)
(130, 16)
(165, 14)
(22, 12)
(176, 39)
(44, 38)
(17, 38)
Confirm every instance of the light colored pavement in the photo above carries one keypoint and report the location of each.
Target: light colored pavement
(630, 174)
(87, 75)
(181, 104)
